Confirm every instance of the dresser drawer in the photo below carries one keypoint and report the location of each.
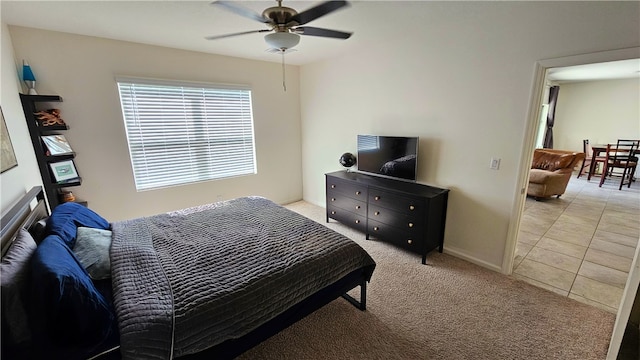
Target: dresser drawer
(406, 220)
(351, 189)
(408, 215)
(346, 203)
(408, 239)
(348, 218)
(397, 202)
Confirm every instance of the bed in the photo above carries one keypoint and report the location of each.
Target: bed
(205, 282)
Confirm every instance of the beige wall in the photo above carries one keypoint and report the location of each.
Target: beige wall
(459, 76)
(601, 111)
(81, 69)
(16, 181)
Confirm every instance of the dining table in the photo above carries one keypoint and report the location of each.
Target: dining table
(596, 150)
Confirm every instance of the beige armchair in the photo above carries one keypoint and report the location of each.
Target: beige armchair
(550, 172)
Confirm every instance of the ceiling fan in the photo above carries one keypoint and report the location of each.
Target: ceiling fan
(285, 23)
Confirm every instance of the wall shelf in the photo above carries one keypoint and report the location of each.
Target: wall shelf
(30, 105)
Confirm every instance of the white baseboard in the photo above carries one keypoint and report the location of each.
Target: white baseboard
(465, 256)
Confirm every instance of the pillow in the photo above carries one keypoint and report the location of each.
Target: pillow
(14, 278)
(66, 217)
(92, 249)
(70, 311)
(38, 230)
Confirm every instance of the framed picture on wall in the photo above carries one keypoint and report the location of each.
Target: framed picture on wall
(7, 155)
(57, 144)
(64, 170)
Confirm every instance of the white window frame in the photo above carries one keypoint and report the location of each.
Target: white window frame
(186, 132)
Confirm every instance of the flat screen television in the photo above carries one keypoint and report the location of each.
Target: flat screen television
(388, 156)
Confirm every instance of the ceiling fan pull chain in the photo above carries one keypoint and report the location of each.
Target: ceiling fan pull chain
(284, 83)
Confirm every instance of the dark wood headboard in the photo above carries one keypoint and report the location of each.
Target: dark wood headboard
(26, 212)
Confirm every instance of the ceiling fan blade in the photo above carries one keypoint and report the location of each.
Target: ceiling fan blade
(242, 11)
(314, 31)
(215, 37)
(318, 11)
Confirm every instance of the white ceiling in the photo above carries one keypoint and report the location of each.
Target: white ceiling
(184, 24)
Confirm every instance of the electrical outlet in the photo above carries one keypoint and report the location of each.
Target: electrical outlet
(495, 164)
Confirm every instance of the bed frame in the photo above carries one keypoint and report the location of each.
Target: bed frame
(233, 348)
(24, 214)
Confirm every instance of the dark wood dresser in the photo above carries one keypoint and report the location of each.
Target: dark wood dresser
(407, 214)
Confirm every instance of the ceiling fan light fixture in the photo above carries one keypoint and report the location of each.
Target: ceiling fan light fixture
(282, 40)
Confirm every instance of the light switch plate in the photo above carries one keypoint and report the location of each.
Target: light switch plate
(495, 164)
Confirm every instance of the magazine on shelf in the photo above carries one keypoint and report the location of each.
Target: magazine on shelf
(57, 144)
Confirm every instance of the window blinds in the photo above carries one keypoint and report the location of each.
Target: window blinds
(181, 133)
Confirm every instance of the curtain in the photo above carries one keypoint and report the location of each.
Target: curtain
(553, 98)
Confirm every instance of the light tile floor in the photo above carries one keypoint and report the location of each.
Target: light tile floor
(581, 245)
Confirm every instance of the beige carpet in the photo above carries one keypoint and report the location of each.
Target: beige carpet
(449, 309)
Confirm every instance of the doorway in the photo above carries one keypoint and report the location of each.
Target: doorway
(536, 101)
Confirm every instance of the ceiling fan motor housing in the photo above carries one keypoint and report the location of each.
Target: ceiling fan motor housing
(281, 16)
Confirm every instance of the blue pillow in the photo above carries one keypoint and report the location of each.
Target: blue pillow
(71, 312)
(66, 218)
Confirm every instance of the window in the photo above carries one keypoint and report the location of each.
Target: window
(542, 126)
(181, 133)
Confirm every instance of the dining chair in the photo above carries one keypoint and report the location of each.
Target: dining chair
(622, 155)
(588, 158)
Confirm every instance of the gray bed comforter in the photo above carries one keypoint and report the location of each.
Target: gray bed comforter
(188, 280)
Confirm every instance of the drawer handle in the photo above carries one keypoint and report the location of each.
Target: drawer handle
(333, 186)
(410, 225)
(376, 213)
(357, 221)
(358, 192)
(333, 213)
(375, 228)
(357, 207)
(409, 241)
(376, 198)
(333, 199)
(411, 207)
